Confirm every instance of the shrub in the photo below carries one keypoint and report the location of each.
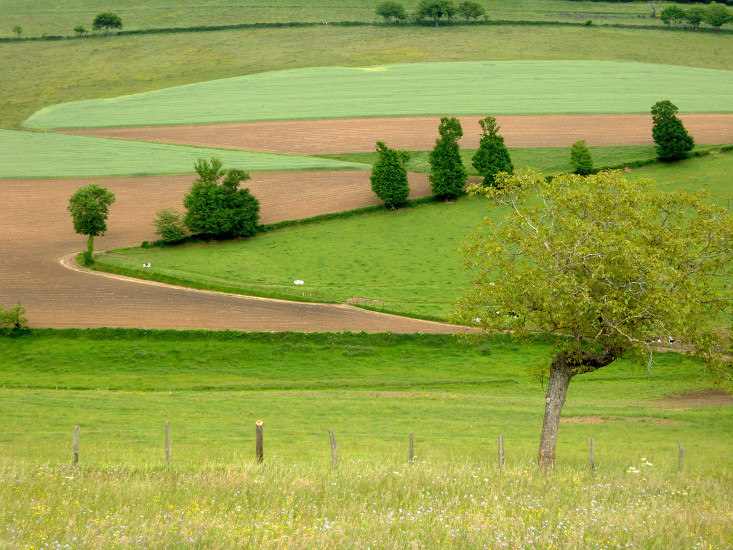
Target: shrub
(170, 226)
(580, 158)
(389, 176)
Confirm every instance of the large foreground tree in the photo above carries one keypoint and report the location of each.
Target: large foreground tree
(609, 265)
(89, 209)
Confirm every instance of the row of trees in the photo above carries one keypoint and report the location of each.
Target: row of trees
(716, 15)
(433, 10)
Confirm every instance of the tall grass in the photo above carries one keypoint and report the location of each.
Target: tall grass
(297, 504)
(45, 155)
(469, 88)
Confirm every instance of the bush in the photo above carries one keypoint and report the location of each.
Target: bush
(580, 158)
(13, 319)
(389, 9)
(170, 226)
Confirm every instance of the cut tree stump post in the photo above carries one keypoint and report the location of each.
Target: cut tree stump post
(167, 442)
(259, 451)
(76, 445)
(412, 447)
(591, 454)
(501, 453)
(681, 456)
(334, 449)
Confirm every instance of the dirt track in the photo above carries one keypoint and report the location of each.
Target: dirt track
(36, 232)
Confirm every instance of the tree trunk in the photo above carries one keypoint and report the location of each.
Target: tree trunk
(557, 387)
(89, 254)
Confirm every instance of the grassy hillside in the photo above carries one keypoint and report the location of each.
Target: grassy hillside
(39, 74)
(53, 18)
(385, 249)
(501, 88)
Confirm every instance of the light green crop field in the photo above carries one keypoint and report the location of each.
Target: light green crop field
(46, 155)
(384, 249)
(469, 88)
(40, 74)
(58, 18)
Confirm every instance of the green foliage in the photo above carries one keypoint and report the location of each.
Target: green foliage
(13, 319)
(170, 225)
(671, 14)
(89, 209)
(470, 10)
(389, 176)
(717, 15)
(492, 156)
(695, 15)
(447, 173)
(580, 158)
(601, 258)
(106, 20)
(435, 10)
(220, 210)
(80, 30)
(17, 30)
(671, 138)
(390, 9)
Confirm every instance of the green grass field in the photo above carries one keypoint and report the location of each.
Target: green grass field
(384, 248)
(470, 88)
(40, 74)
(457, 397)
(46, 155)
(46, 17)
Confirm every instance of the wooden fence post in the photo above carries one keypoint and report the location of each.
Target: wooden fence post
(259, 452)
(501, 453)
(682, 453)
(591, 454)
(334, 449)
(76, 445)
(167, 442)
(412, 447)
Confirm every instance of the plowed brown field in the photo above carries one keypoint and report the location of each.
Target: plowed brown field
(37, 240)
(313, 137)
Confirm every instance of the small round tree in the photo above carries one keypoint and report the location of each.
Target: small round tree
(107, 20)
(220, 210)
(447, 174)
(717, 15)
(580, 158)
(390, 9)
(492, 156)
(671, 138)
(170, 226)
(470, 10)
(694, 16)
(89, 208)
(435, 10)
(389, 176)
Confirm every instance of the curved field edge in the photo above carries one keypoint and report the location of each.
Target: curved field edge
(370, 260)
(46, 155)
(411, 89)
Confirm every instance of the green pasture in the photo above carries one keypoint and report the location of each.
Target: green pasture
(406, 261)
(41, 74)
(46, 155)
(468, 88)
(44, 17)
(372, 390)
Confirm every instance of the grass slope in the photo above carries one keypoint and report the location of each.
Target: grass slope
(469, 88)
(45, 155)
(47, 17)
(39, 74)
(406, 260)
